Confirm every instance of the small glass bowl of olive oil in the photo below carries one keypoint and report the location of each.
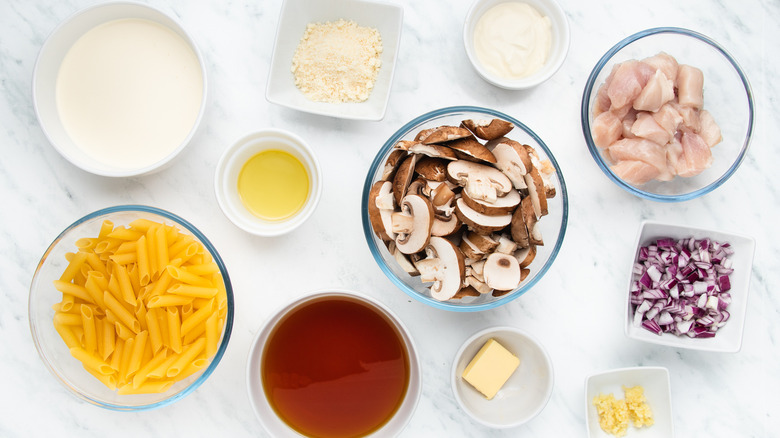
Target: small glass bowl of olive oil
(269, 182)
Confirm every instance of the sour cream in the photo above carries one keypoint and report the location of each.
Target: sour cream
(513, 40)
(129, 92)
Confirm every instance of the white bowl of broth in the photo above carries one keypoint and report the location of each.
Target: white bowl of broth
(269, 182)
(334, 363)
(119, 89)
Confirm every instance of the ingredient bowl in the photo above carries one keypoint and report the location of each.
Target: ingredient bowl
(204, 324)
(726, 96)
(657, 392)
(497, 235)
(288, 198)
(334, 363)
(680, 293)
(525, 393)
(507, 40)
(119, 89)
(294, 18)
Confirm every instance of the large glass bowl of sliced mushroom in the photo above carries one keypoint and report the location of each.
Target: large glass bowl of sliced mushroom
(464, 208)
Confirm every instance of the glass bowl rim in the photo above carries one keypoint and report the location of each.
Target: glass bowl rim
(594, 150)
(369, 233)
(228, 318)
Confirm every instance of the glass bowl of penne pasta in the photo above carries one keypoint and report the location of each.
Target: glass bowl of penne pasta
(131, 308)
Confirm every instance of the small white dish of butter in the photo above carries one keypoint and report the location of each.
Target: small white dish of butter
(502, 377)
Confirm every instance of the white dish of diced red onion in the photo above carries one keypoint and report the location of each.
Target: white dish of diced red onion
(688, 287)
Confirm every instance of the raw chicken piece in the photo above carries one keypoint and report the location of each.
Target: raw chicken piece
(690, 116)
(658, 91)
(646, 127)
(697, 154)
(606, 129)
(674, 154)
(602, 102)
(690, 86)
(640, 150)
(668, 118)
(664, 62)
(635, 172)
(626, 84)
(628, 122)
(710, 131)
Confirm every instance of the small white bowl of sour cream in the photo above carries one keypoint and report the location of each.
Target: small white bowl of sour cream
(119, 89)
(269, 182)
(516, 45)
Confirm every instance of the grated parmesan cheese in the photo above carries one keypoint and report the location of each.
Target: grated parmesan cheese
(337, 61)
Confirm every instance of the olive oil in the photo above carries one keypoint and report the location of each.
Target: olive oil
(273, 185)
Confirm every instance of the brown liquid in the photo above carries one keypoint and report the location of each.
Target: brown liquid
(335, 367)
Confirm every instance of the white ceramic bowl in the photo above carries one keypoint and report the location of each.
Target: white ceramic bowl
(728, 339)
(387, 18)
(265, 413)
(654, 380)
(523, 396)
(229, 168)
(558, 49)
(47, 68)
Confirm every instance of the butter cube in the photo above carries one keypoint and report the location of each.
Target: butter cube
(490, 368)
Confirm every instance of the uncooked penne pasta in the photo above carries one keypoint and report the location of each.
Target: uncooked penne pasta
(142, 306)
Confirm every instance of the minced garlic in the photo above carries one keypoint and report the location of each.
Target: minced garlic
(337, 61)
(616, 415)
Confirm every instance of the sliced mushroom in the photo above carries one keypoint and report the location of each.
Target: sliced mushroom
(488, 129)
(480, 181)
(526, 255)
(446, 133)
(469, 148)
(403, 177)
(517, 227)
(479, 285)
(403, 260)
(413, 224)
(432, 169)
(423, 134)
(511, 158)
(433, 150)
(380, 209)
(470, 249)
(442, 198)
(486, 244)
(523, 274)
(445, 225)
(536, 192)
(506, 245)
(392, 163)
(404, 144)
(478, 222)
(501, 271)
(444, 266)
(502, 205)
(465, 291)
(530, 220)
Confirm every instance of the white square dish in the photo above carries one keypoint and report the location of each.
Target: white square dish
(295, 16)
(658, 395)
(728, 339)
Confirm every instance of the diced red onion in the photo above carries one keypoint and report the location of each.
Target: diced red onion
(681, 286)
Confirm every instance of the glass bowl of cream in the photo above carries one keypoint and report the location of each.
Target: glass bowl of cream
(119, 89)
(516, 45)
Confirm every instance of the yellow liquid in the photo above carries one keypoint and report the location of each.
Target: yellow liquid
(273, 185)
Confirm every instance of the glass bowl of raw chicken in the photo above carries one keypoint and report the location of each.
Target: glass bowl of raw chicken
(667, 114)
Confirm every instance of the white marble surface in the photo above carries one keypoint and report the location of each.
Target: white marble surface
(576, 310)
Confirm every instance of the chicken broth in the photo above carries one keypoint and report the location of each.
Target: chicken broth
(335, 367)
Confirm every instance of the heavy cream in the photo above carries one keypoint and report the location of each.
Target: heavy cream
(512, 40)
(129, 92)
